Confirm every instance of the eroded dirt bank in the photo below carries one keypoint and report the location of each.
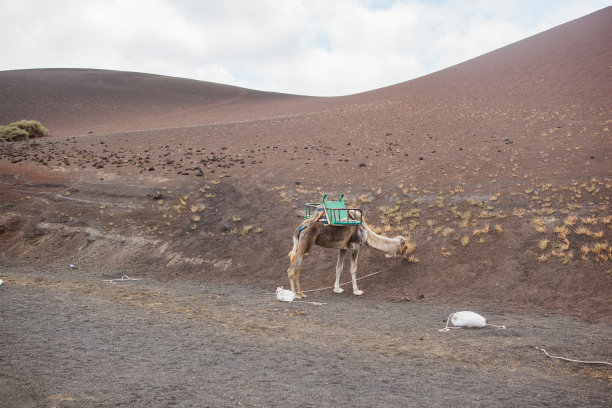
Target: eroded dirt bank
(470, 248)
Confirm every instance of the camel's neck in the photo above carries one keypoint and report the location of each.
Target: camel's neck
(385, 244)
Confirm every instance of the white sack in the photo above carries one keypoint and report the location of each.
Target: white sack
(284, 295)
(468, 319)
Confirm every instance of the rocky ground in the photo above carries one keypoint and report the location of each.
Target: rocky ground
(71, 338)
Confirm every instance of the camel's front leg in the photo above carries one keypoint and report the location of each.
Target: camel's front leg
(354, 255)
(339, 267)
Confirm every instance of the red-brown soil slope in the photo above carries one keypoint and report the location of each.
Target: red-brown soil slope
(498, 169)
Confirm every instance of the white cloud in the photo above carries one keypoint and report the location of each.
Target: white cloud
(315, 47)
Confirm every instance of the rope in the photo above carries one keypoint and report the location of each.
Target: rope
(305, 301)
(331, 287)
(123, 278)
(574, 361)
(446, 329)
(345, 283)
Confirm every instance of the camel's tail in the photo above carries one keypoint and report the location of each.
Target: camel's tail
(294, 249)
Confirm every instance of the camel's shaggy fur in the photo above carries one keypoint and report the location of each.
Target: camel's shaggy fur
(343, 238)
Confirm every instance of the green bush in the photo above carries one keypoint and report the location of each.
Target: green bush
(22, 130)
(10, 133)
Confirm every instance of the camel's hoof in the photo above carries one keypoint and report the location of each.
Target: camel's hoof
(358, 292)
(338, 290)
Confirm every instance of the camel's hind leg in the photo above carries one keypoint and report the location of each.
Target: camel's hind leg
(294, 276)
(339, 267)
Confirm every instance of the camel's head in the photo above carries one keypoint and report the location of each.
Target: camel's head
(403, 245)
(405, 248)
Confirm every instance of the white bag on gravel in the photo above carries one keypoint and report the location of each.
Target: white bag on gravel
(467, 319)
(284, 295)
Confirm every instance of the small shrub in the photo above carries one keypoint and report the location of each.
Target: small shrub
(22, 130)
(33, 127)
(10, 133)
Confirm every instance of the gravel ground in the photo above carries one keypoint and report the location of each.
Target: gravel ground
(71, 339)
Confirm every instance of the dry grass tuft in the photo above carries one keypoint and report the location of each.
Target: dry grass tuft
(562, 231)
(589, 220)
(484, 230)
(413, 259)
(444, 251)
(570, 220)
(582, 230)
(543, 258)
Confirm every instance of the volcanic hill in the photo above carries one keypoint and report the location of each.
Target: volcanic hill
(497, 169)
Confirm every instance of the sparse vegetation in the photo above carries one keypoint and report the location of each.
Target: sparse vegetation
(22, 130)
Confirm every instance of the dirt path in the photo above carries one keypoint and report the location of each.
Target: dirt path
(71, 339)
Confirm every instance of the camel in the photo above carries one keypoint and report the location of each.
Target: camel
(344, 238)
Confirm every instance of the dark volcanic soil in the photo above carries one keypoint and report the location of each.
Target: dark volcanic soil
(498, 170)
(72, 339)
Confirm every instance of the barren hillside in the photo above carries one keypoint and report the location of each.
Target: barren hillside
(497, 169)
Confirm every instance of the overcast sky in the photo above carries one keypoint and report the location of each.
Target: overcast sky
(310, 47)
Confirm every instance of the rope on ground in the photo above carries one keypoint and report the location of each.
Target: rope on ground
(345, 283)
(123, 278)
(572, 360)
(331, 287)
